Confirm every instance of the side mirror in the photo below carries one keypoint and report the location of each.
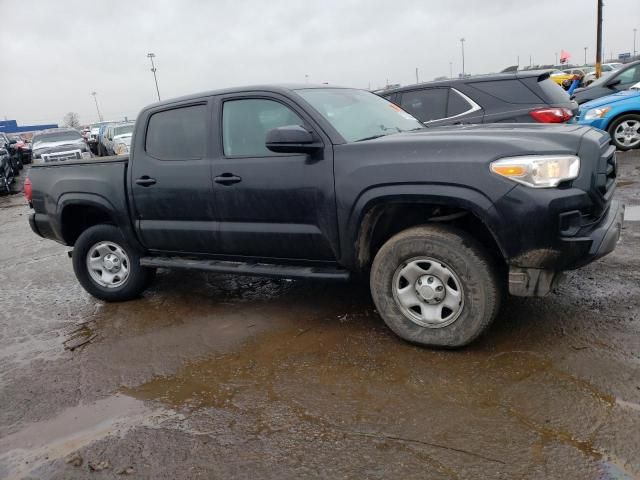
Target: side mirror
(613, 83)
(291, 139)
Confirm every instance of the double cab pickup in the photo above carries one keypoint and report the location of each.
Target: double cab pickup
(338, 183)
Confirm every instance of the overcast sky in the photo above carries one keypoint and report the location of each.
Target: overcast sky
(55, 53)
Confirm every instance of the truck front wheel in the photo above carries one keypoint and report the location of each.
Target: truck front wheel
(107, 267)
(435, 286)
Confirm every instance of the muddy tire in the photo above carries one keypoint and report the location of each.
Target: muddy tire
(435, 286)
(107, 267)
(625, 131)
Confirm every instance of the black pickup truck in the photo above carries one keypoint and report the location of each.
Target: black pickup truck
(329, 183)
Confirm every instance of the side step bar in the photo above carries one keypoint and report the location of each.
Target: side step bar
(240, 268)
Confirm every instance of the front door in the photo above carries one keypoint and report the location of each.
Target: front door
(269, 204)
(171, 180)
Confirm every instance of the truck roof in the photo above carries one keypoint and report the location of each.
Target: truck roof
(276, 88)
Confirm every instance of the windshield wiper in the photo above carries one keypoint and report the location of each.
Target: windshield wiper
(372, 137)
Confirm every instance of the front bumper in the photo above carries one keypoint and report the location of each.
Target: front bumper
(599, 240)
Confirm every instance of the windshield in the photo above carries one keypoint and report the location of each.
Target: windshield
(123, 129)
(359, 115)
(68, 136)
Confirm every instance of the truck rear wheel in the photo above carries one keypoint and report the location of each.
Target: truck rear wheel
(107, 267)
(435, 286)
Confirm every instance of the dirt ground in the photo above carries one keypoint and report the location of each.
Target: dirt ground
(213, 376)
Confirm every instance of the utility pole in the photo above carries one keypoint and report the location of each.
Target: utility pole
(417, 79)
(585, 55)
(462, 44)
(97, 108)
(451, 70)
(599, 41)
(153, 69)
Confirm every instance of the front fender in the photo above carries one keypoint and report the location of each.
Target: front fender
(455, 196)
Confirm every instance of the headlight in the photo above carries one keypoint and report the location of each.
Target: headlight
(596, 113)
(538, 171)
(121, 149)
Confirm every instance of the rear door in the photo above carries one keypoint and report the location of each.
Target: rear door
(170, 179)
(270, 204)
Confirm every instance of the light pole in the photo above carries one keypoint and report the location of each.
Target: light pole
(153, 69)
(306, 78)
(585, 55)
(451, 70)
(634, 41)
(462, 45)
(97, 108)
(556, 58)
(417, 78)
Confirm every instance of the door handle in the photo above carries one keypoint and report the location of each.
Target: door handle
(227, 179)
(146, 181)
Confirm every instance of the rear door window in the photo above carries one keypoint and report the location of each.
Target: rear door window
(426, 105)
(510, 91)
(177, 134)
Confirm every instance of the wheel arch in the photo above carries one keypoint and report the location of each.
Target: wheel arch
(79, 211)
(621, 114)
(384, 214)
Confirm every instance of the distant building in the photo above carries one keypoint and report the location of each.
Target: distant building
(11, 126)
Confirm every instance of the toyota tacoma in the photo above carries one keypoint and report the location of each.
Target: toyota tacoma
(334, 183)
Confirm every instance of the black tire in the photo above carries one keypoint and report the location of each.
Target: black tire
(137, 280)
(616, 123)
(465, 257)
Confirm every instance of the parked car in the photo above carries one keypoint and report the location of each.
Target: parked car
(21, 148)
(323, 183)
(8, 145)
(117, 138)
(590, 74)
(562, 77)
(506, 97)
(92, 137)
(7, 174)
(59, 144)
(101, 138)
(618, 114)
(617, 81)
(614, 65)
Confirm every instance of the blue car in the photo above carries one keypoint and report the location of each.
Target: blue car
(618, 114)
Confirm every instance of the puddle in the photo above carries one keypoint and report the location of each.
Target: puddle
(73, 428)
(344, 384)
(632, 213)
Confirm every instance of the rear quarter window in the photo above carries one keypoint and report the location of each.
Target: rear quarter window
(552, 92)
(510, 91)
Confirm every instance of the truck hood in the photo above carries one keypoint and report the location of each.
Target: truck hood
(60, 146)
(124, 138)
(609, 99)
(492, 140)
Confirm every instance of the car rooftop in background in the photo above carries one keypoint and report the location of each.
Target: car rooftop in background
(521, 97)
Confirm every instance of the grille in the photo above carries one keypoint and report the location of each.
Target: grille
(607, 172)
(62, 156)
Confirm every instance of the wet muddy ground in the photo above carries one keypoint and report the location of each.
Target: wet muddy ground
(213, 376)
